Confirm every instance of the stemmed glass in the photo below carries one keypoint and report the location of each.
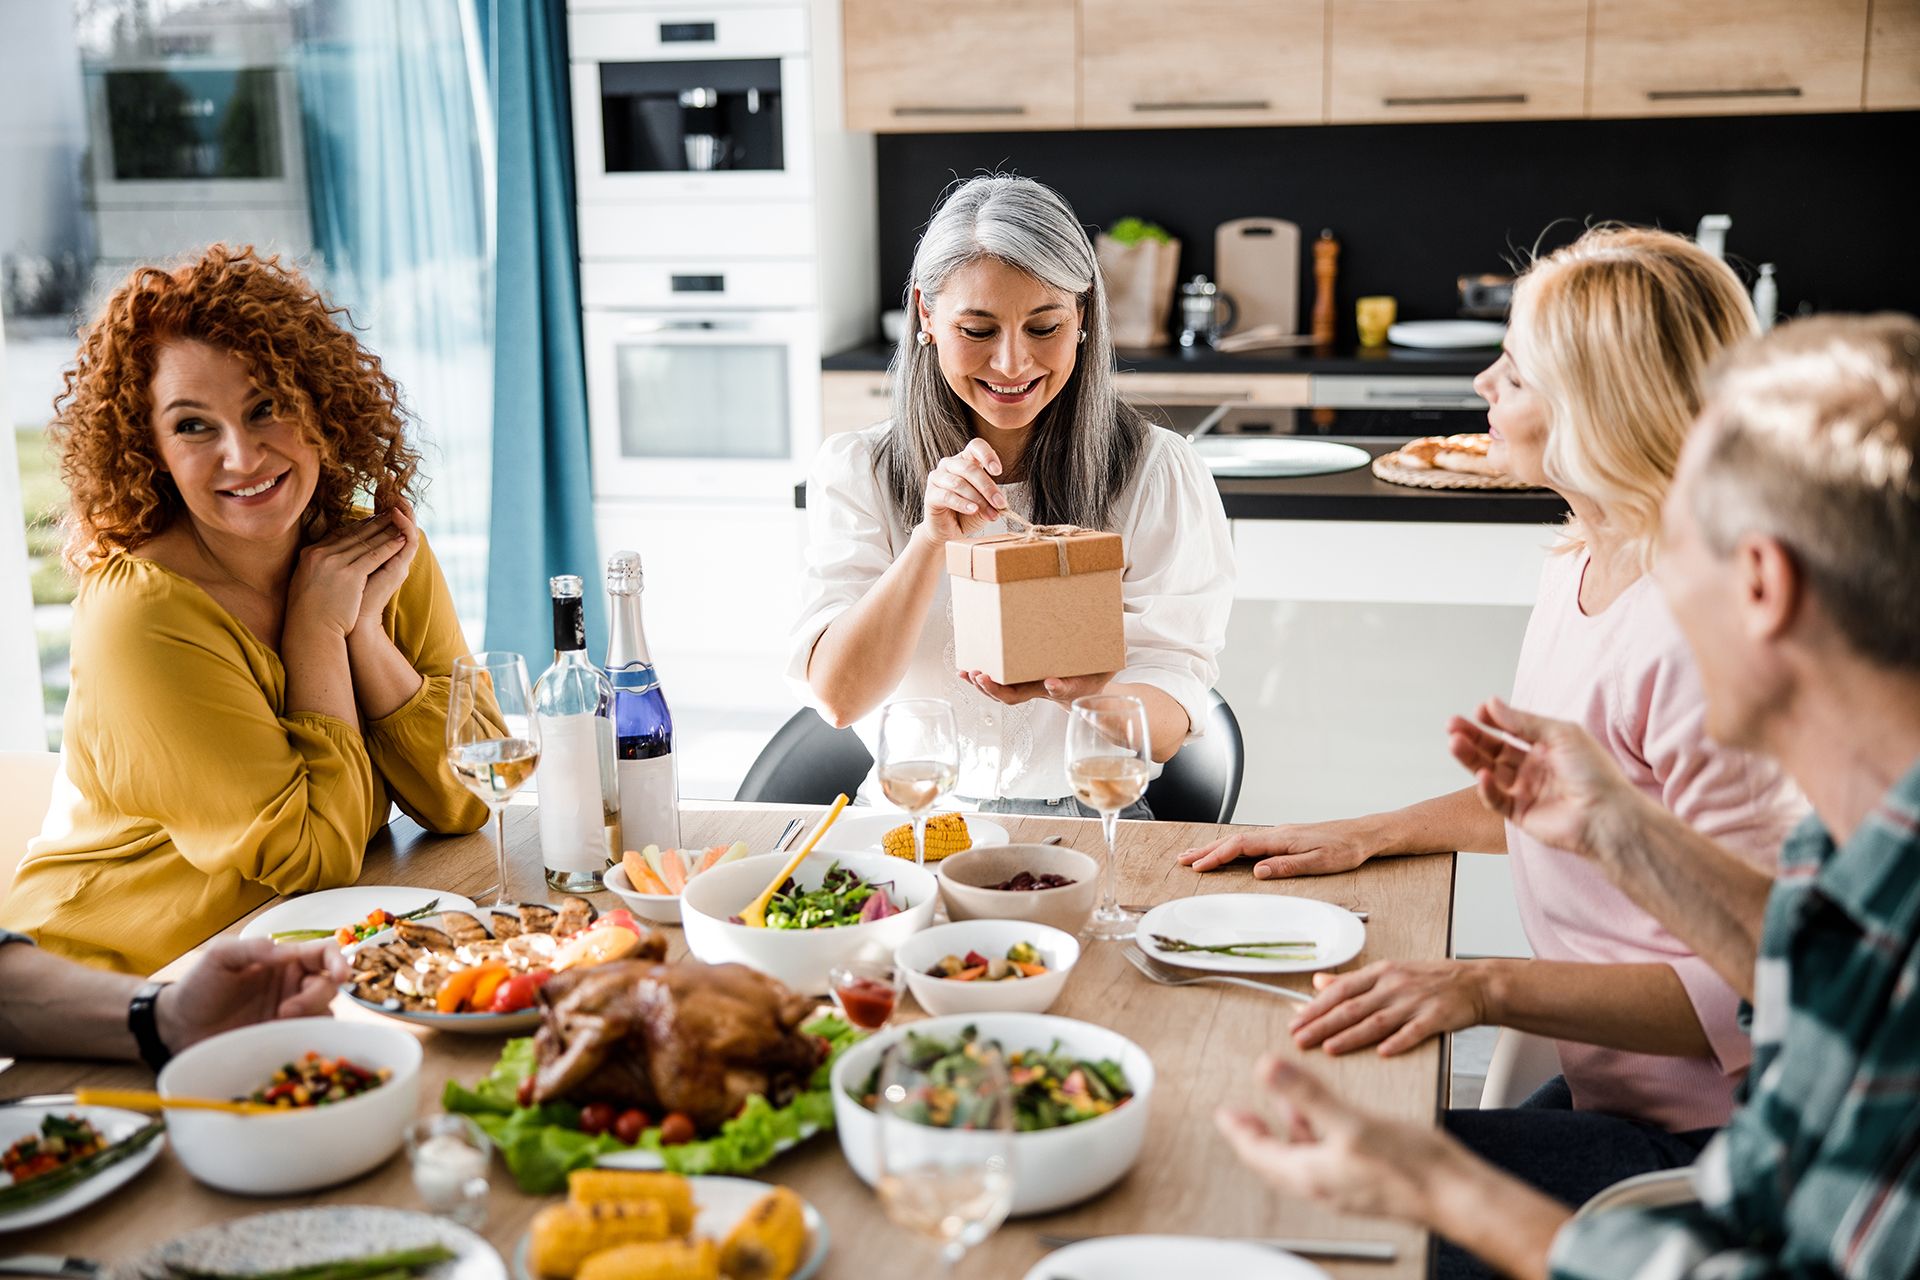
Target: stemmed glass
(945, 1155)
(493, 740)
(919, 760)
(1108, 753)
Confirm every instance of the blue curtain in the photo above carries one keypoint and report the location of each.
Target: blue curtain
(542, 495)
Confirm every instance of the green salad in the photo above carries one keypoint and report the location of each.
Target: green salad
(542, 1144)
(842, 898)
(1050, 1088)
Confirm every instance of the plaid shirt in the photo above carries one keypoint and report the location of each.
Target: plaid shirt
(1818, 1172)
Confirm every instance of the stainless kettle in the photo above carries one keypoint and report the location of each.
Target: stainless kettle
(1201, 305)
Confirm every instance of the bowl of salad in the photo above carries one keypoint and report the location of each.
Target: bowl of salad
(988, 966)
(1081, 1100)
(836, 907)
(343, 1092)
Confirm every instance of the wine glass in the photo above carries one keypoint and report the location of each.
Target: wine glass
(919, 760)
(1108, 752)
(945, 1125)
(493, 740)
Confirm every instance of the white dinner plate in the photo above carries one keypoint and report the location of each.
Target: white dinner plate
(114, 1125)
(1157, 1257)
(1447, 335)
(1337, 933)
(290, 1238)
(861, 832)
(1260, 457)
(719, 1204)
(336, 908)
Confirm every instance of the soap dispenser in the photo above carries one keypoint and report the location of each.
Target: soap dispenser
(1711, 234)
(1766, 297)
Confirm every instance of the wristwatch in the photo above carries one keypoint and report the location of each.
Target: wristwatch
(142, 1022)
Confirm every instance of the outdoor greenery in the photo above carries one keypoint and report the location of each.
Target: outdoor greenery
(44, 499)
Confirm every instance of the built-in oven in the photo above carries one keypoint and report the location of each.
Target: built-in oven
(701, 405)
(680, 102)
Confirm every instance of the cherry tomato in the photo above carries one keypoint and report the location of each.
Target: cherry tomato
(630, 1125)
(676, 1129)
(517, 992)
(595, 1119)
(524, 1094)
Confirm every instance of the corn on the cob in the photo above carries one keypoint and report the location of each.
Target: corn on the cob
(767, 1243)
(662, 1260)
(564, 1235)
(588, 1187)
(946, 834)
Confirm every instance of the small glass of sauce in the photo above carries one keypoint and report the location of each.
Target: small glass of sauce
(867, 991)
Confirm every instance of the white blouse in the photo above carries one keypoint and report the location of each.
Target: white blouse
(1176, 591)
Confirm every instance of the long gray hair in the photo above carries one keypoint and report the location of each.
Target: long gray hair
(1086, 444)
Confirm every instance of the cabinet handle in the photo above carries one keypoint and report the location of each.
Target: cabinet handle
(1002, 110)
(1245, 104)
(1458, 100)
(1699, 95)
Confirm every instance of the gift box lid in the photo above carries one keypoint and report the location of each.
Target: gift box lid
(1037, 551)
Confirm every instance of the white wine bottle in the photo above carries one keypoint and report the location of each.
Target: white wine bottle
(579, 793)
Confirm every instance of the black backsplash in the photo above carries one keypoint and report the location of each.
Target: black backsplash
(1415, 206)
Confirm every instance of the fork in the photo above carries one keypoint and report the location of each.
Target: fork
(1168, 976)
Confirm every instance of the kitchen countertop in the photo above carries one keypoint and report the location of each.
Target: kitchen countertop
(874, 357)
(1361, 495)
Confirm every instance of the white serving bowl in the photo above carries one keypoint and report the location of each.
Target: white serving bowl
(801, 957)
(1052, 1168)
(991, 938)
(304, 1149)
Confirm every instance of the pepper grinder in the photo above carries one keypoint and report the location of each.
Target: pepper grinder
(1326, 265)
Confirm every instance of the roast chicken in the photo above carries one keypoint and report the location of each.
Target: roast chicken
(690, 1037)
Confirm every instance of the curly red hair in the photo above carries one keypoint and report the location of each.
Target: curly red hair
(297, 349)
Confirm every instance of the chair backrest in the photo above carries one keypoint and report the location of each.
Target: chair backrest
(26, 788)
(810, 762)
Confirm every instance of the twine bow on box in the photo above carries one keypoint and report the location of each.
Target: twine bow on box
(1030, 532)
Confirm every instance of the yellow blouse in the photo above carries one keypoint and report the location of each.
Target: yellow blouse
(188, 795)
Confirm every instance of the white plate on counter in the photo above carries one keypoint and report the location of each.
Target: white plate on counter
(114, 1124)
(861, 833)
(1447, 335)
(1157, 1257)
(719, 1204)
(1263, 458)
(337, 908)
(1336, 933)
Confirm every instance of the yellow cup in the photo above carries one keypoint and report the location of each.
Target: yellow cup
(1374, 316)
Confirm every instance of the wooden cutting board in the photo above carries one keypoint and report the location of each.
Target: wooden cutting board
(1256, 262)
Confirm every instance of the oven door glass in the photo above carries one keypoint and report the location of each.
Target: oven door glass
(711, 402)
(692, 117)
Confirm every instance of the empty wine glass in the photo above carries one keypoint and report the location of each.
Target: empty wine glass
(946, 1125)
(1109, 750)
(919, 760)
(493, 740)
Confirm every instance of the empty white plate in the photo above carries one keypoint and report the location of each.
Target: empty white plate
(1267, 457)
(1157, 1257)
(1216, 918)
(1447, 335)
(861, 832)
(337, 908)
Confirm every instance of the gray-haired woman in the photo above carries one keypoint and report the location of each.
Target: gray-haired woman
(1004, 401)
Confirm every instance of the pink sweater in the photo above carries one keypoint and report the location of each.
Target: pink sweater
(1626, 674)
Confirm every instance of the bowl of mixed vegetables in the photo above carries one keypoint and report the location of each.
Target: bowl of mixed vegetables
(1081, 1099)
(343, 1093)
(836, 907)
(988, 966)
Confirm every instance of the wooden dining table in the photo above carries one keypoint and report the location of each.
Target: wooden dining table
(1203, 1040)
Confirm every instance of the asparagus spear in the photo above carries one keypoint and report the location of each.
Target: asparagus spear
(54, 1181)
(381, 1266)
(309, 935)
(1293, 947)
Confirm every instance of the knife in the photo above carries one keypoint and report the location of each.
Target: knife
(47, 1264)
(1357, 1250)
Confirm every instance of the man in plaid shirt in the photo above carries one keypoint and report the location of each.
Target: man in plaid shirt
(1791, 559)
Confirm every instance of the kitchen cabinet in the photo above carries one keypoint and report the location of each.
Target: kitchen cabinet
(1390, 60)
(986, 65)
(1893, 56)
(1289, 390)
(1146, 64)
(852, 400)
(1726, 57)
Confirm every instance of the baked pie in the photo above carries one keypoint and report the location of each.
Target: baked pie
(1464, 453)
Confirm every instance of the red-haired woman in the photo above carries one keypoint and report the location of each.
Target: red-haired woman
(259, 668)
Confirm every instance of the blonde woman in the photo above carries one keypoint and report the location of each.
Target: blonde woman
(1594, 395)
(1004, 402)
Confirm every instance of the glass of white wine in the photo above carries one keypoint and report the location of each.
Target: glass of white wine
(1109, 750)
(493, 740)
(946, 1125)
(919, 760)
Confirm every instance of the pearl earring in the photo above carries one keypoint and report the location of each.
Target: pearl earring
(924, 338)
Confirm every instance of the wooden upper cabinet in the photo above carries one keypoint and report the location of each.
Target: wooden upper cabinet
(1148, 64)
(1893, 56)
(1455, 59)
(1726, 57)
(985, 65)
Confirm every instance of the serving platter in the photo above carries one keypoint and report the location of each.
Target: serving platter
(1337, 934)
(1156, 1257)
(114, 1124)
(337, 908)
(861, 832)
(292, 1238)
(721, 1203)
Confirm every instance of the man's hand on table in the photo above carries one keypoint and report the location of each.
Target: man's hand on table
(1318, 1147)
(237, 982)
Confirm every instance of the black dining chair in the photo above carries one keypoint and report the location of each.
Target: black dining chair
(810, 762)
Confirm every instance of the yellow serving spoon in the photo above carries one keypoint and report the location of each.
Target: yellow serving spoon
(147, 1100)
(755, 914)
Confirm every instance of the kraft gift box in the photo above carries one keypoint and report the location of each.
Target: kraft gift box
(1042, 602)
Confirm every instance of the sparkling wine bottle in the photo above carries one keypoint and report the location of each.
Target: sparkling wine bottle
(642, 725)
(579, 792)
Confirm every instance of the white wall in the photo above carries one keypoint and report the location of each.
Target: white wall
(21, 726)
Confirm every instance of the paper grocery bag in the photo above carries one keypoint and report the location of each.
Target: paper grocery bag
(1041, 603)
(1140, 281)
